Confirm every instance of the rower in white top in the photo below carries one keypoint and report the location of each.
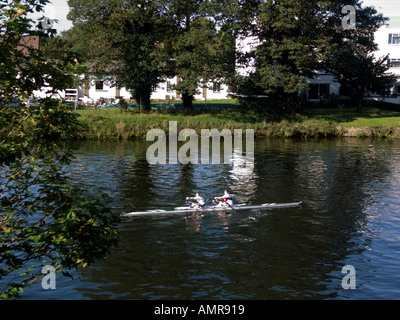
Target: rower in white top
(225, 200)
(200, 203)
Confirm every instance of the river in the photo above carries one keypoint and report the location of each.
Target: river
(349, 217)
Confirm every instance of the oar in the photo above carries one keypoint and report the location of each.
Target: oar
(198, 207)
(227, 186)
(233, 208)
(243, 215)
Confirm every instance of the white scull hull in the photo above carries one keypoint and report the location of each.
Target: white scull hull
(240, 207)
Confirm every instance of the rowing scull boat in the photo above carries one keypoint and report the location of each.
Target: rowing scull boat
(238, 207)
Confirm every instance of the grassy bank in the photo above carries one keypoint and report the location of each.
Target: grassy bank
(112, 123)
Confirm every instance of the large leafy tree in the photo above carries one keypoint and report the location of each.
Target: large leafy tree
(123, 38)
(44, 219)
(353, 60)
(203, 43)
(292, 43)
(142, 42)
(199, 57)
(298, 38)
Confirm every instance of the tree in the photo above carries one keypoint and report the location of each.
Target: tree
(144, 42)
(358, 74)
(291, 45)
(353, 60)
(195, 54)
(44, 219)
(202, 45)
(123, 38)
(297, 38)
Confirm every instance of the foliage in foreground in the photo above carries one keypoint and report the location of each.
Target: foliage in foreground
(44, 219)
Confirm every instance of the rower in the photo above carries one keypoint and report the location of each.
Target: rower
(200, 200)
(226, 200)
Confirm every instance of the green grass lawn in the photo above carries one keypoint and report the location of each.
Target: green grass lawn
(113, 123)
(370, 117)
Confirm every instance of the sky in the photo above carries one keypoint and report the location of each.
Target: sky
(389, 8)
(58, 9)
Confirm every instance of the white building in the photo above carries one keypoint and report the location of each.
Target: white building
(96, 90)
(322, 86)
(245, 45)
(388, 40)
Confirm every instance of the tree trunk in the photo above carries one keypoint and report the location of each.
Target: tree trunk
(187, 101)
(360, 104)
(145, 103)
(143, 98)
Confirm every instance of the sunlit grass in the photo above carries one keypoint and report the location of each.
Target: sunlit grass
(370, 117)
(113, 123)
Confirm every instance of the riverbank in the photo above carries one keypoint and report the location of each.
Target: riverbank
(112, 123)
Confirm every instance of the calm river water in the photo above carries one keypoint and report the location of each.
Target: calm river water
(350, 216)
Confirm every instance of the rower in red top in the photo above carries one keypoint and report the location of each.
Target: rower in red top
(226, 200)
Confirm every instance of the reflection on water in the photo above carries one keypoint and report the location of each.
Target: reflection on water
(350, 190)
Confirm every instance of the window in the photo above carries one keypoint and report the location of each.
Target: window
(169, 87)
(216, 87)
(319, 91)
(324, 90)
(99, 85)
(394, 63)
(394, 38)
